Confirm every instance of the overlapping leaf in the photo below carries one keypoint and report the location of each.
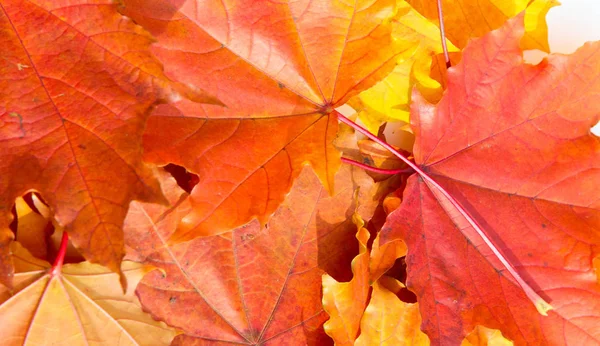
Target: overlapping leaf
(464, 19)
(76, 80)
(32, 230)
(388, 321)
(280, 68)
(82, 305)
(345, 302)
(255, 285)
(359, 315)
(482, 336)
(389, 99)
(512, 143)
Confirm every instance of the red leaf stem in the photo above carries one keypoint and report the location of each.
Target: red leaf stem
(375, 169)
(541, 305)
(60, 257)
(442, 34)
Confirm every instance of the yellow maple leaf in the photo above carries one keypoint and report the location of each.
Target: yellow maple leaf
(466, 19)
(388, 100)
(80, 305)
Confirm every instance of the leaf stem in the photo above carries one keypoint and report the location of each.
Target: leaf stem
(541, 305)
(442, 33)
(60, 257)
(375, 169)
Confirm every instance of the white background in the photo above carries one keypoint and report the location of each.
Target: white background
(571, 24)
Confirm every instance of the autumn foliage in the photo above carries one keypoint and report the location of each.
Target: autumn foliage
(194, 172)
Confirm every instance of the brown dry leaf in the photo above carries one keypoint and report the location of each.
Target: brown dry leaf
(82, 305)
(389, 190)
(388, 321)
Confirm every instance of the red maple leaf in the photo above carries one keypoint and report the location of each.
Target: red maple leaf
(511, 143)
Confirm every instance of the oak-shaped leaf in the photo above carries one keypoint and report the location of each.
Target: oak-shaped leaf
(345, 302)
(511, 142)
(256, 284)
(363, 315)
(388, 321)
(76, 83)
(82, 305)
(280, 68)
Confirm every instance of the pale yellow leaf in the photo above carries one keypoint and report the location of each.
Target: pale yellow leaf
(388, 321)
(83, 305)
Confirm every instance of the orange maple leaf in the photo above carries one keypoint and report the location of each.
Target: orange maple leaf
(280, 68)
(255, 285)
(76, 81)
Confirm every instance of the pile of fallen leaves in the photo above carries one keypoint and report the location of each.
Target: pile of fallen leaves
(183, 172)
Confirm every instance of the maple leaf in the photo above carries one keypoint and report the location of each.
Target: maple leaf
(481, 19)
(77, 80)
(511, 143)
(389, 99)
(280, 68)
(81, 304)
(464, 19)
(254, 285)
